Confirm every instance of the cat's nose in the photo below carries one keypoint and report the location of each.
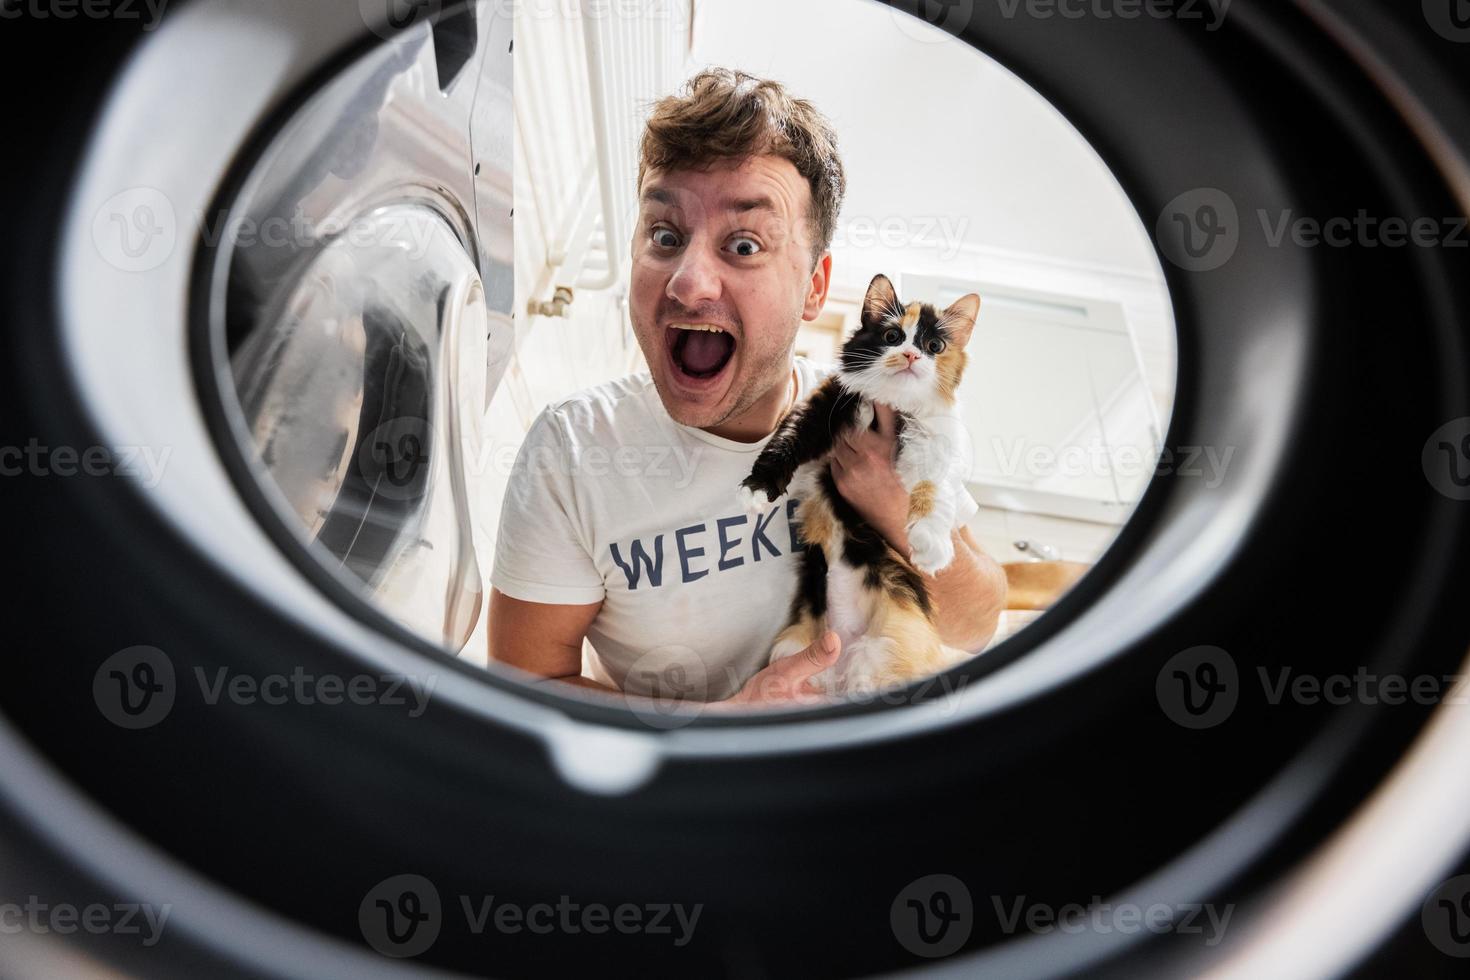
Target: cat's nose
(912, 355)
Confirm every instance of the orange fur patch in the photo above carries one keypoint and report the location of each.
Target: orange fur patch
(911, 315)
(817, 522)
(917, 653)
(896, 585)
(921, 500)
(949, 366)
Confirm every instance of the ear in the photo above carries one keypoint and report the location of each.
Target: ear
(880, 301)
(816, 296)
(959, 319)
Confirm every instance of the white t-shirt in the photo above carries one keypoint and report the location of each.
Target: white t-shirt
(611, 500)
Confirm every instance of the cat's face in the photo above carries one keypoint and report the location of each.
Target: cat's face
(908, 355)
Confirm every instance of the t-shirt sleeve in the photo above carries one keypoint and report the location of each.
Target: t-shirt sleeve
(541, 550)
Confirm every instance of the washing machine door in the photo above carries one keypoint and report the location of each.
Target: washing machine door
(351, 291)
(311, 395)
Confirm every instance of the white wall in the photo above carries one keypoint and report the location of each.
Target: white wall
(956, 168)
(933, 131)
(933, 128)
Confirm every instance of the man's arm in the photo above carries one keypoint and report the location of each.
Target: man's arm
(546, 640)
(540, 552)
(541, 638)
(970, 592)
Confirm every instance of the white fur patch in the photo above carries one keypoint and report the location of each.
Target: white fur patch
(753, 502)
(932, 547)
(848, 605)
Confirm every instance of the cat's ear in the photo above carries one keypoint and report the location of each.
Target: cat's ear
(958, 319)
(881, 300)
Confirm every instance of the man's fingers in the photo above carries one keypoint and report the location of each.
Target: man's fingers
(885, 415)
(823, 650)
(813, 660)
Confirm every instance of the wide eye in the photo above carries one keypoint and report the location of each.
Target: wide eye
(892, 336)
(934, 346)
(665, 238)
(742, 245)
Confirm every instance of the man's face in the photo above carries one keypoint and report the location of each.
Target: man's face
(728, 253)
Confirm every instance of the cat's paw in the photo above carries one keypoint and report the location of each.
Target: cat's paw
(931, 550)
(754, 503)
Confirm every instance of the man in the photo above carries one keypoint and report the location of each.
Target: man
(654, 560)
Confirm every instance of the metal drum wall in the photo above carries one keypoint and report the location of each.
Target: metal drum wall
(1055, 777)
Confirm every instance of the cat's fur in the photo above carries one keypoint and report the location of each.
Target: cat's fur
(851, 580)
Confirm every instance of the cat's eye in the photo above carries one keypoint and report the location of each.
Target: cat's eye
(892, 336)
(935, 346)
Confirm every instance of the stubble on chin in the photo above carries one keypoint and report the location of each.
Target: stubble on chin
(775, 373)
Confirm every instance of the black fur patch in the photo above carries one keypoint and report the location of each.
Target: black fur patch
(866, 550)
(811, 592)
(808, 433)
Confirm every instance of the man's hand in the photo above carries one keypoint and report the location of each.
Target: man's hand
(787, 682)
(863, 468)
(970, 593)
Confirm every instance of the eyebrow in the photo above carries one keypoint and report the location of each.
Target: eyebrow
(739, 206)
(751, 204)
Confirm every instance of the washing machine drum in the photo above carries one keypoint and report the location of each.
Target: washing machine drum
(1119, 754)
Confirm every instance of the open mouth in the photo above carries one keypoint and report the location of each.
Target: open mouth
(699, 351)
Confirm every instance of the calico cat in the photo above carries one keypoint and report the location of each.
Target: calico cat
(851, 580)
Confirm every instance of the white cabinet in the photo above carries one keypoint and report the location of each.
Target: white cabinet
(1059, 416)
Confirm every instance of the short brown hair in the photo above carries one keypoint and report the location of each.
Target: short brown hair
(724, 114)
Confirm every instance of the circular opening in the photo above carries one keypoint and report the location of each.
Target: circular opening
(1235, 802)
(431, 397)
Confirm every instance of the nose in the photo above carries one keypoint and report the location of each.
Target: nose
(696, 280)
(912, 355)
